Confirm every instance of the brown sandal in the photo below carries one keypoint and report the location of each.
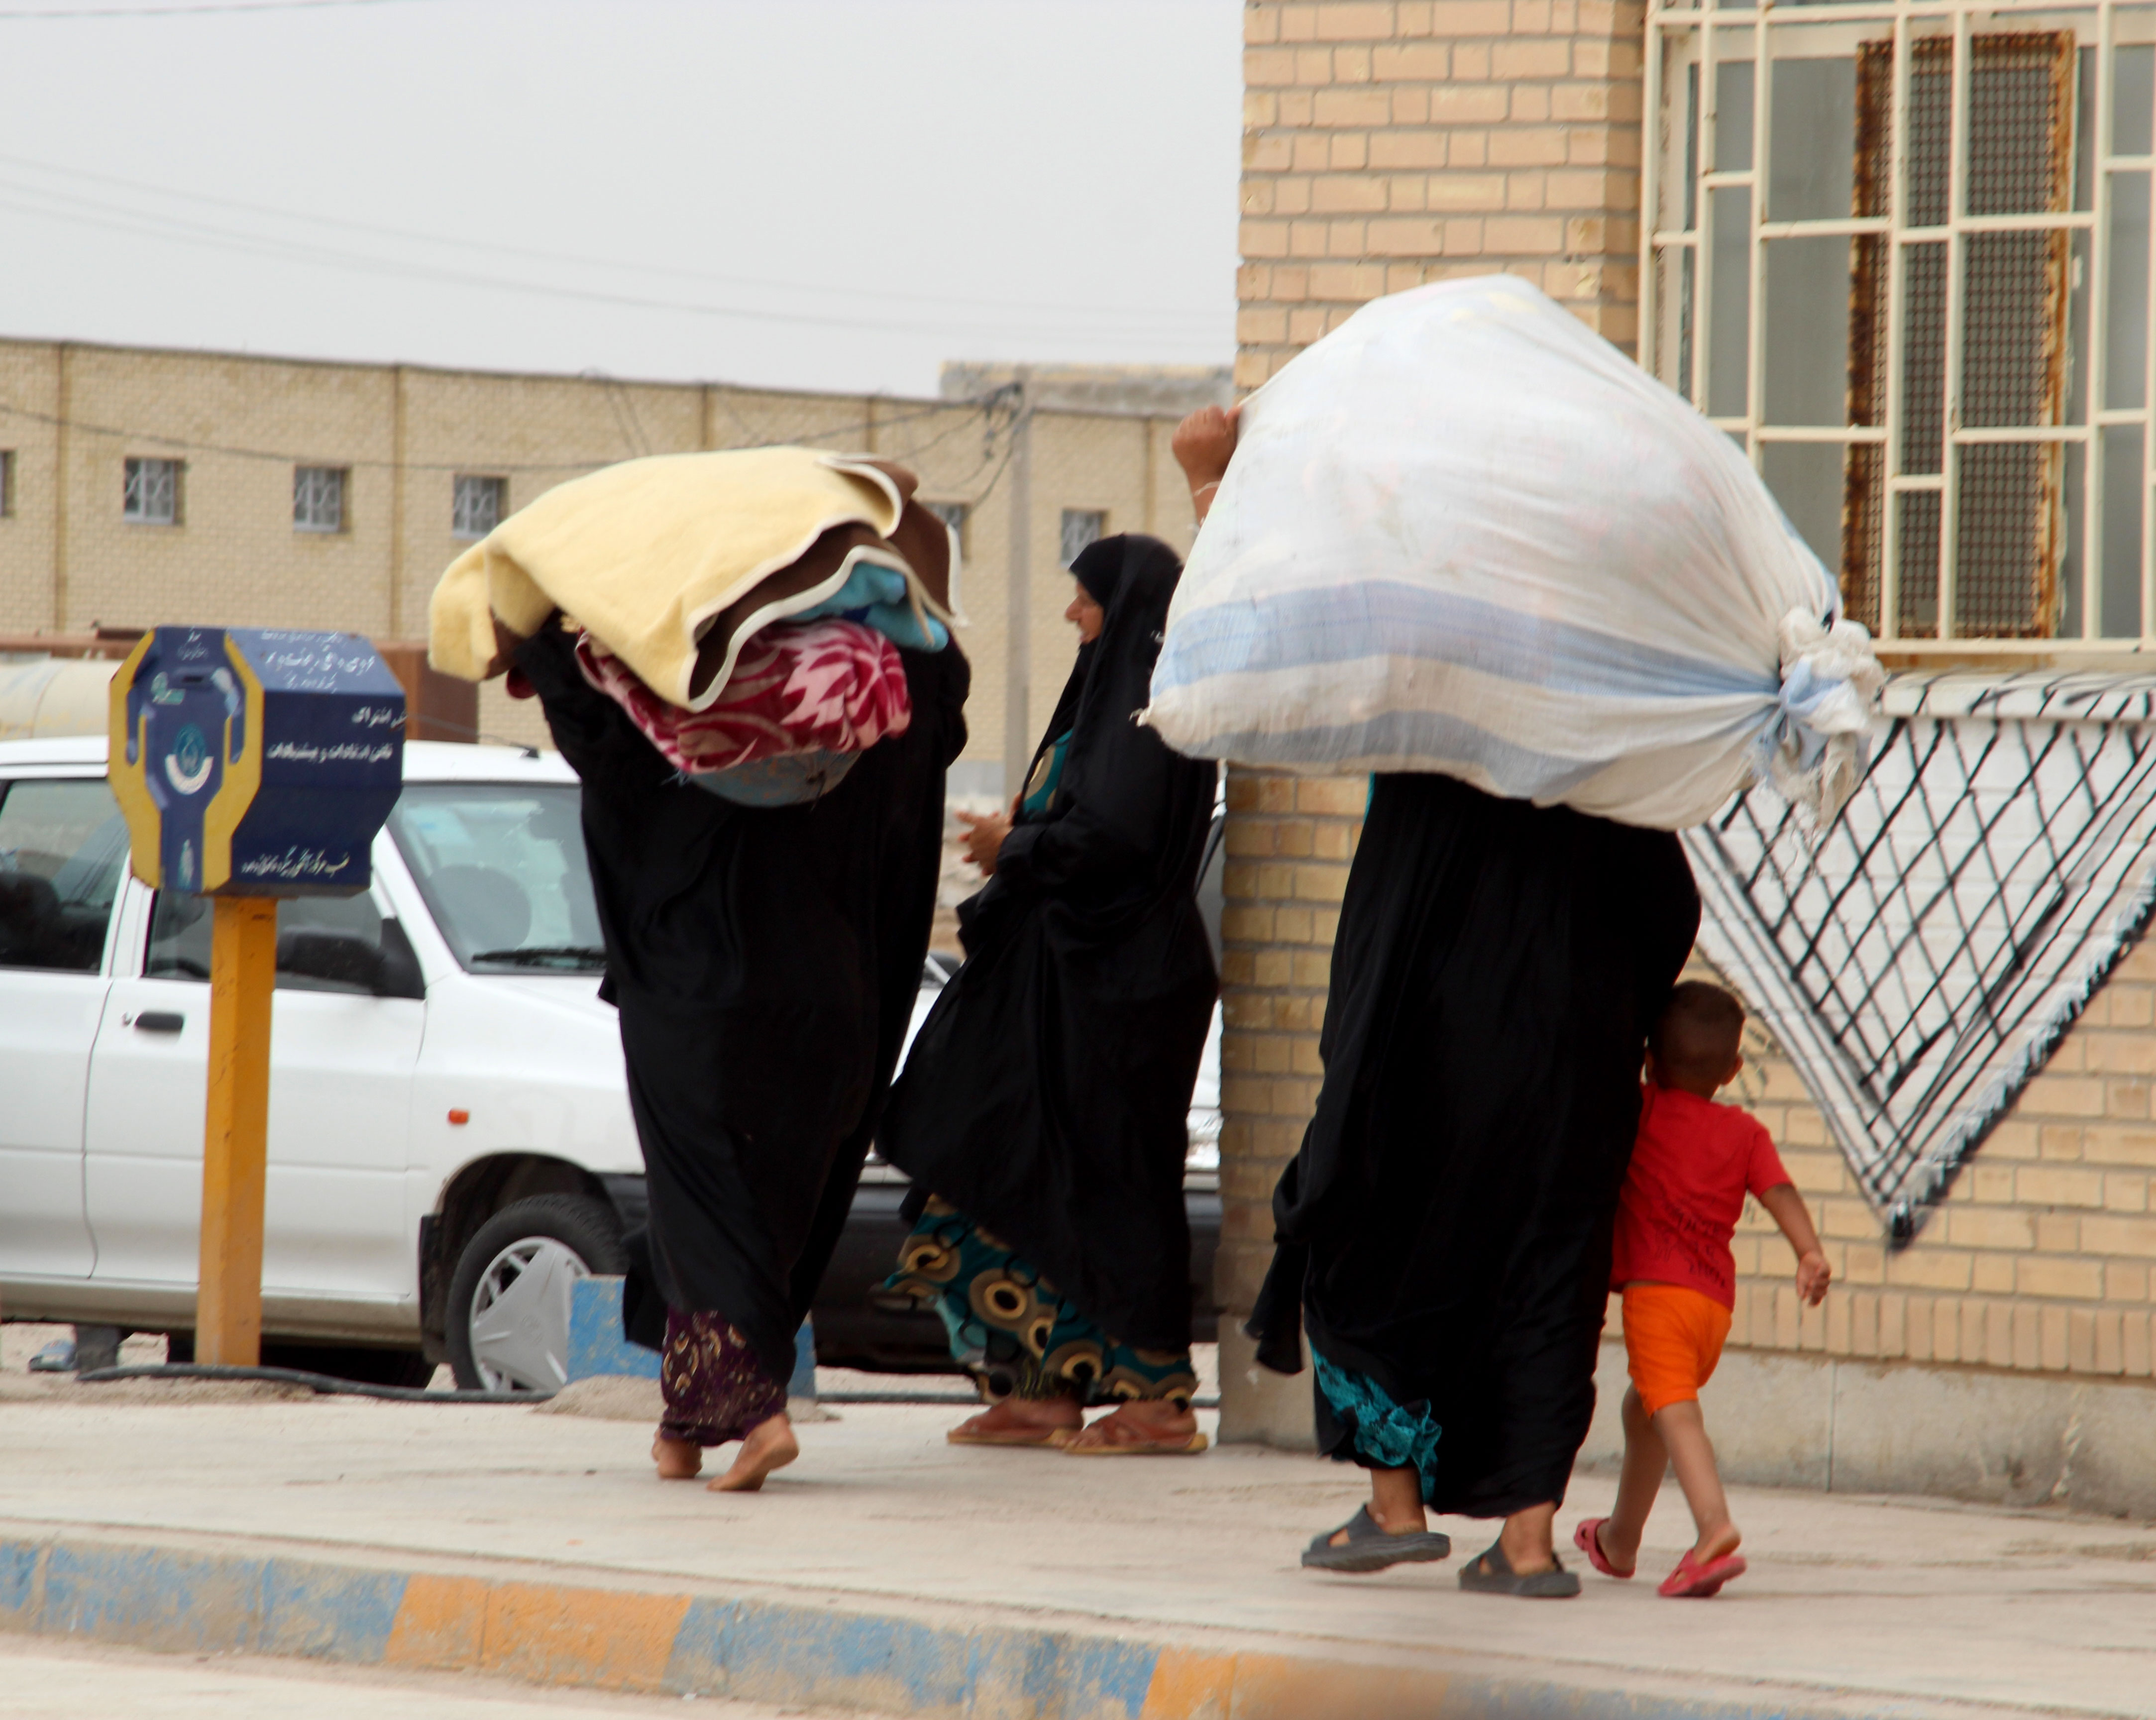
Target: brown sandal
(1025, 1436)
(1116, 1444)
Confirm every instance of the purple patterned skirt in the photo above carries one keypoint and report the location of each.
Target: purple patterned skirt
(715, 1388)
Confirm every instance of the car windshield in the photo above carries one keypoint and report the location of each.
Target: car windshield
(503, 870)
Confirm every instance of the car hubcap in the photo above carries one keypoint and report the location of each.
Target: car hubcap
(520, 1317)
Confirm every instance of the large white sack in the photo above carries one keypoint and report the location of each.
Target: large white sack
(1462, 533)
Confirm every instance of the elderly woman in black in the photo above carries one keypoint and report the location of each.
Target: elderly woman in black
(1043, 1113)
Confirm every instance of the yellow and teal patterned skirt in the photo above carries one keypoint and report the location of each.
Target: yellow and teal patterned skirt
(1013, 1333)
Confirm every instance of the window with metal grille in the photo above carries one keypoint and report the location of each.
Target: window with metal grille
(477, 506)
(151, 495)
(318, 498)
(1900, 252)
(1081, 526)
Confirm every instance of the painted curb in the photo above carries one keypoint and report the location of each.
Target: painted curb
(752, 1648)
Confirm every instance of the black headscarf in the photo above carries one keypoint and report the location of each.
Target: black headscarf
(1100, 567)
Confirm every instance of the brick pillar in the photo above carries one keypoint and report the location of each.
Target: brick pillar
(1384, 145)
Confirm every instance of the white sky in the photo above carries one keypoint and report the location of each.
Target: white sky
(913, 179)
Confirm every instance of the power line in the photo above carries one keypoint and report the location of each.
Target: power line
(411, 236)
(21, 15)
(194, 233)
(976, 411)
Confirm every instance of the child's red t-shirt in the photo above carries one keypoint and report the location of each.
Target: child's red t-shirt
(1693, 1164)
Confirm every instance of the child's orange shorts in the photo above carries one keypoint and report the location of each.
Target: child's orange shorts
(1673, 1338)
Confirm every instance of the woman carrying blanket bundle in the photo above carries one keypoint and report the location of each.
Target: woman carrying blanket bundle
(1042, 1115)
(764, 841)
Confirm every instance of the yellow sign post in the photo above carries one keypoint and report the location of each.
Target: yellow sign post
(252, 765)
(243, 983)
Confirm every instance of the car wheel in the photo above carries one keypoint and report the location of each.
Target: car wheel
(508, 1325)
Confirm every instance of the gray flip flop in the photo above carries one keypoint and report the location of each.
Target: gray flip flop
(1500, 1579)
(1369, 1547)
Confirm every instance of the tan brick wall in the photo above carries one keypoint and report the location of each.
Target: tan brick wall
(2039, 1257)
(1386, 145)
(68, 560)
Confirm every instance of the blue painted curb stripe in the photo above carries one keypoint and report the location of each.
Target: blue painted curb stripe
(775, 1652)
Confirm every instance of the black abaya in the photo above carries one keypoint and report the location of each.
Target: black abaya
(1446, 1229)
(1048, 1094)
(764, 961)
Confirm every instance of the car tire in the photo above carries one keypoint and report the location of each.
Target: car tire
(508, 1314)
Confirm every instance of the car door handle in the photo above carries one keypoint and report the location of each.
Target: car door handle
(160, 1021)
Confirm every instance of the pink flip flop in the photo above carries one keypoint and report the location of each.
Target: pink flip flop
(1588, 1538)
(1692, 1581)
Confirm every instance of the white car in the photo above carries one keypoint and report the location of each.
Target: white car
(451, 1141)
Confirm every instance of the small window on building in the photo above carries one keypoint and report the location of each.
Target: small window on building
(318, 498)
(1081, 526)
(152, 495)
(7, 482)
(478, 505)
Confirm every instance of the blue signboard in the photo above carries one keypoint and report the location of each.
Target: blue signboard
(253, 760)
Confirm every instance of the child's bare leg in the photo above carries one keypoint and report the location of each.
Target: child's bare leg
(1646, 1458)
(770, 1445)
(1683, 1430)
(1395, 1503)
(678, 1460)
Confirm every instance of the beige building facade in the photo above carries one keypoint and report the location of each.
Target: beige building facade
(2008, 1351)
(143, 486)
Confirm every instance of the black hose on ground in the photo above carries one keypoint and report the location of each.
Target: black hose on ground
(331, 1387)
(326, 1385)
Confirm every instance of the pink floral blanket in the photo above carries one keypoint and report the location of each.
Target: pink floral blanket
(819, 686)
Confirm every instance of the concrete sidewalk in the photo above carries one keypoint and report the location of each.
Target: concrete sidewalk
(1004, 1582)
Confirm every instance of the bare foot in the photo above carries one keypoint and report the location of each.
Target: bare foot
(770, 1445)
(1020, 1421)
(678, 1460)
(1137, 1423)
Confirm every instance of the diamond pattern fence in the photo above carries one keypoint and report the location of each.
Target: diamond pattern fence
(1920, 958)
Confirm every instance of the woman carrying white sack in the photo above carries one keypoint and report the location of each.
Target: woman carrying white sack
(1468, 547)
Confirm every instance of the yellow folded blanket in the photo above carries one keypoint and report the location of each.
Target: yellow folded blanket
(646, 554)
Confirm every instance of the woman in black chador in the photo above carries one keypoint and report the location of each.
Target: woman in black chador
(1043, 1111)
(765, 961)
(1445, 1229)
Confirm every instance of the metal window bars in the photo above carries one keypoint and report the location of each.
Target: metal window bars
(318, 498)
(1740, 226)
(151, 495)
(476, 504)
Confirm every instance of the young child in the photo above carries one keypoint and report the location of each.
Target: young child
(1694, 1164)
